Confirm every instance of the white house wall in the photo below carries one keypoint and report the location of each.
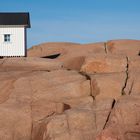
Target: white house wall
(16, 46)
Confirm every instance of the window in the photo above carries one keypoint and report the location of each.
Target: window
(7, 38)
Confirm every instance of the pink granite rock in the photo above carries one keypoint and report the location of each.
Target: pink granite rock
(101, 63)
(124, 121)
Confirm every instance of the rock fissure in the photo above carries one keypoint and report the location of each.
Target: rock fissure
(96, 121)
(131, 88)
(88, 78)
(68, 125)
(127, 76)
(108, 117)
(105, 47)
(48, 116)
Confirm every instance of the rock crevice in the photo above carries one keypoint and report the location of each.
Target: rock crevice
(105, 47)
(127, 76)
(108, 117)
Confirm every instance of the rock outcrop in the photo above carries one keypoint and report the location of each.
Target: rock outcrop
(68, 91)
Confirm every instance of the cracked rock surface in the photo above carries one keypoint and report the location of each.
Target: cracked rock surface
(68, 91)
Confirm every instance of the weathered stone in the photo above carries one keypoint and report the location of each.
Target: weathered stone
(107, 85)
(133, 83)
(39, 100)
(76, 102)
(30, 64)
(124, 122)
(74, 63)
(128, 48)
(66, 50)
(80, 123)
(70, 55)
(104, 64)
(15, 120)
(134, 64)
(30, 97)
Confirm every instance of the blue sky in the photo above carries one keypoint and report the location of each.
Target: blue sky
(82, 21)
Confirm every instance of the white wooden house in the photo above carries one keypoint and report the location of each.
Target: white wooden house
(13, 35)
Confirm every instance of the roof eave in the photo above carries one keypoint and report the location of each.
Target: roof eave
(27, 26)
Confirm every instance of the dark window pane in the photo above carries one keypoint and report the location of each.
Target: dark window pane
(7, 38)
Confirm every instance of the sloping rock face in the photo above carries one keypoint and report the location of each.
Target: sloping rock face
(71, 55)
(107, 85)
(28, 64)
(32, 96)
(124, 120)
(66, 50)
(99, 63)
(67, 91)
(80, 123)
(125, 47)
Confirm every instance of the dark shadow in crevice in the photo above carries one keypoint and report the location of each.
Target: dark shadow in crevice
(1, 57)
(113, 104)
(53, 56)
(66, 107)
(86, 75)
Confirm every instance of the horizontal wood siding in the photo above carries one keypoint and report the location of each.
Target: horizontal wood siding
(17, 45)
